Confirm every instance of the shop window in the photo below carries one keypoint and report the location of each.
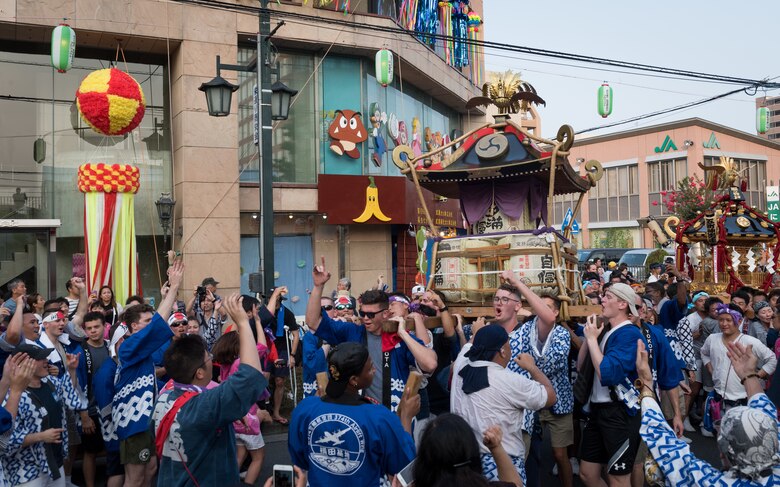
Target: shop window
(294, 139)
(616, 196)
(663, 176)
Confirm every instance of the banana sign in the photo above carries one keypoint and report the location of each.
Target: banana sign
(372, 204)
(380, 200)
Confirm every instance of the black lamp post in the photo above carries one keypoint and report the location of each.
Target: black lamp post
(165, 213)
(218, 97)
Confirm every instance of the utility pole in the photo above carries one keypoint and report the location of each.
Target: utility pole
(265, 159)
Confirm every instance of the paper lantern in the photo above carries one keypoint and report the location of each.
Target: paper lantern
(605, 100)
(63, 47)
(384, 67)
(762, 120)
(111, 101)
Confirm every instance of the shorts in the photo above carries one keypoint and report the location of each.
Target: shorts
(281, 370)
(93, 443)
(561, 428)
(137, 449)
(74, 438)
(113, 465)
(666, 406)
(611, 437)
(251, 442)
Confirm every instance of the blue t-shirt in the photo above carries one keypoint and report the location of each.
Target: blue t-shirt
(202, 433)
(340, 444)
(669, 317)
(664, 364)
(314, 361)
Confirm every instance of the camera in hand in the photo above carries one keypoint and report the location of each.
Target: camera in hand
(201, 293)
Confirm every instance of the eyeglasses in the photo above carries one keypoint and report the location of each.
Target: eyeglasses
(342, 307)
(180, 323)
(327, 307)
(504, 299)
(210, 358)
(370, 314)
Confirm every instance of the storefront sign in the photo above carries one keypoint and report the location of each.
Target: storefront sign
(666, 146)
(773, 203)
(349, 200)
(712, 143)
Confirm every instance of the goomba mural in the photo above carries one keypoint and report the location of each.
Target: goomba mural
(346, 131)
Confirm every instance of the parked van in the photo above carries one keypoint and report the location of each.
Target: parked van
(636, 260)
(586, 256)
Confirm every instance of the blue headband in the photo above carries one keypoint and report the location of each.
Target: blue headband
(697, 297)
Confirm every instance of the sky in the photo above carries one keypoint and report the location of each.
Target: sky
(717, 37)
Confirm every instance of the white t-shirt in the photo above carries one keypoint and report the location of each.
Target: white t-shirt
(600, 394)
(723, 375)
(652, 278)
(503, 403)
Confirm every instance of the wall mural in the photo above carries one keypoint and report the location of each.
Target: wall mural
(346, 131)
(378, 118)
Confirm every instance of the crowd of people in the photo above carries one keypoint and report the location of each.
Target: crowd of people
(398, 388)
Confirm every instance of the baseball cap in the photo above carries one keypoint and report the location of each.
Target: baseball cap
(34, 351)
(344, 361)
(209, 280)
(177, 318)
(418, 289)
(624, 292)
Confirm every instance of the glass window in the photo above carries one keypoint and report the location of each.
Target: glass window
(38, 105)
(294, 139)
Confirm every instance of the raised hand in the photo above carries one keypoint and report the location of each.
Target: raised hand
(20, 371)
(642, 364)
(320, 274)
(593, 327)
(525, 361)
(492, 436)
(235, 310)
(742, 359)
(175, 274)
(72, 361)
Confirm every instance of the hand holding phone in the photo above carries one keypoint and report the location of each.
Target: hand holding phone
(283, 476)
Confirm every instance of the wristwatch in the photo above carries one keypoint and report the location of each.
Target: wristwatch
(644, 390)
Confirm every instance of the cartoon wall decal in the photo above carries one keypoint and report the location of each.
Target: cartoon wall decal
(372, 204)
(392, 127)
(403, 134)
(346, 131)
(416, 138)
(378, 118)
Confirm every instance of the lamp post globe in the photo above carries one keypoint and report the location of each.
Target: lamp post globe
(219, 92)
(281, 96)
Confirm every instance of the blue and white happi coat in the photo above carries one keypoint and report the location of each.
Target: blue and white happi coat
(23, 464)
(677, 462)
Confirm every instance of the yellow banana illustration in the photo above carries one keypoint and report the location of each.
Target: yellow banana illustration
(372, 205)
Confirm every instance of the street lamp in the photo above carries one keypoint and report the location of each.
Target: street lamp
(165, 214)
(218, 96)
(219, 91)
(281, 96)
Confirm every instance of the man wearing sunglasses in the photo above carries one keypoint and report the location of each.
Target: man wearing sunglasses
(394, 354)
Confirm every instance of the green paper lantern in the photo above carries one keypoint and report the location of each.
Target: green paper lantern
(384, 67)
(762, 120)
(63, 47)
(605, 100)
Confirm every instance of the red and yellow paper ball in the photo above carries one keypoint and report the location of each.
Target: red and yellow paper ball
(111, 101)
(108, 178)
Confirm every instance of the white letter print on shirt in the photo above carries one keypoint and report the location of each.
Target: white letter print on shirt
(336, 444)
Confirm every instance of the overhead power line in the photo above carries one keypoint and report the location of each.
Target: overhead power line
(493, 45)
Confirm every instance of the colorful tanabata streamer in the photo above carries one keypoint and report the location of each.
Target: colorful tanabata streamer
(445, 20)
(460, 19)
(109, 227)
(475, 52)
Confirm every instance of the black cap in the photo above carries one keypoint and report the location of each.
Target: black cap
(344, 361)
(34, 351)
(209, 280)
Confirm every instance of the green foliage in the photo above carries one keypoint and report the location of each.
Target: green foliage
(612, 238)
(656, 257)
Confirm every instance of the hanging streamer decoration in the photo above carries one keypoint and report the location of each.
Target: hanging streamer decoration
(460, 32)
(445, 19)
(109, 227)
(475, 56)
(427, 21)
(407, 14)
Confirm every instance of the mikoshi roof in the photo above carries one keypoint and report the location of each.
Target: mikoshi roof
(500, 151)
(740, 223)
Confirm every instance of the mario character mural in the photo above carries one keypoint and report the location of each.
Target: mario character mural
(346, 131)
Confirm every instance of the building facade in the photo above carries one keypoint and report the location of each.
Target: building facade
(641, 164)
(210, 164)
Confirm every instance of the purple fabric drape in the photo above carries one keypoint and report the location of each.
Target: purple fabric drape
(510, 197)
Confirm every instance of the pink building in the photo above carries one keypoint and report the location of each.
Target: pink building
(641, 163)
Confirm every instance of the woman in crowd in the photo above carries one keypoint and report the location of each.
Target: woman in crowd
(111, 307)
